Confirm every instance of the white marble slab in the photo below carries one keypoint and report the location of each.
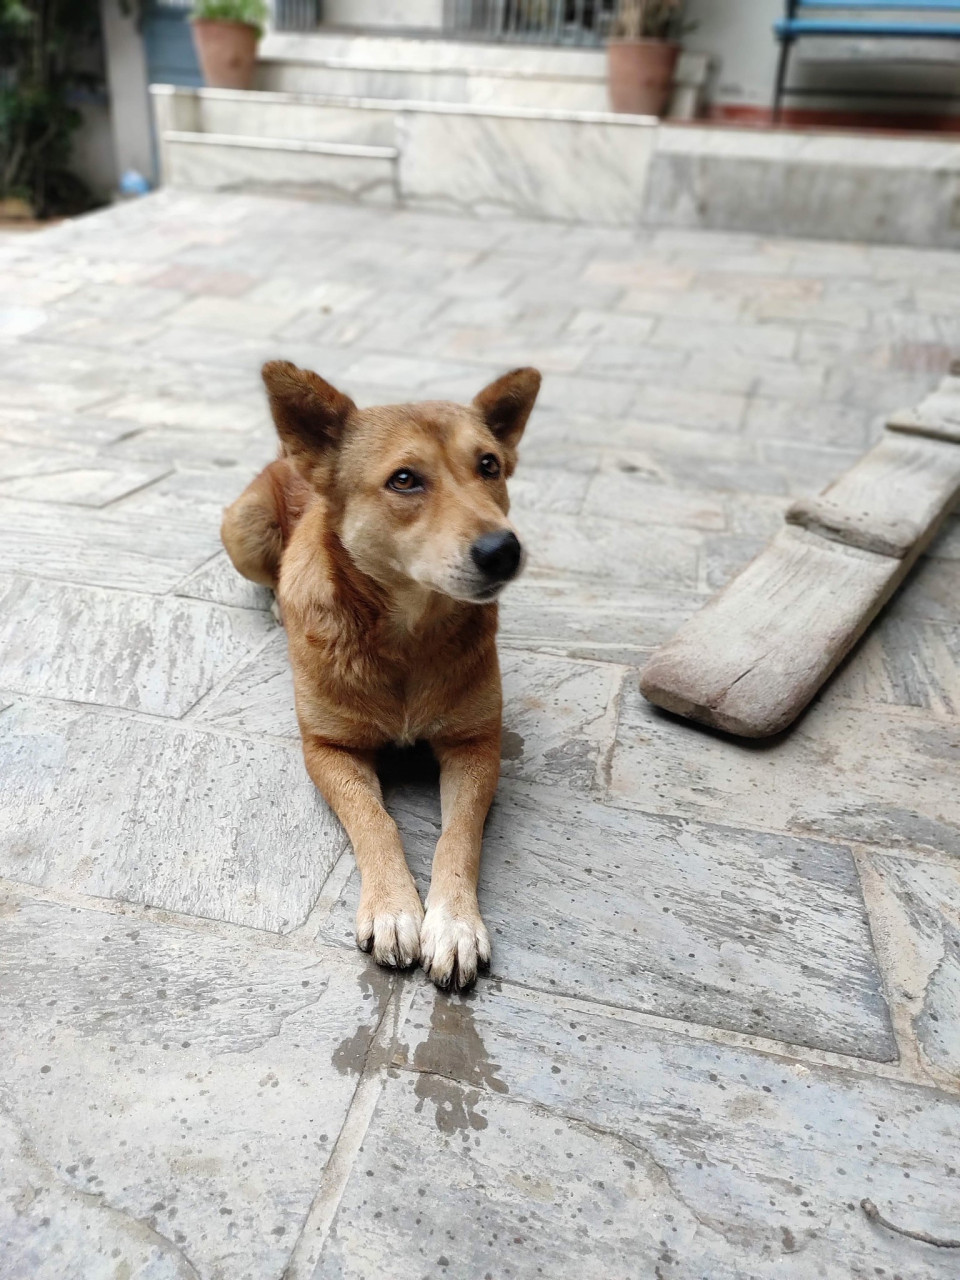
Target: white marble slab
(210, 165)
(531, 165)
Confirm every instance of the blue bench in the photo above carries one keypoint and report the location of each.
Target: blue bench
(792, 28)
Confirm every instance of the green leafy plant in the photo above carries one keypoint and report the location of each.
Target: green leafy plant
(649, 19)
(39, 73)
(253, 12)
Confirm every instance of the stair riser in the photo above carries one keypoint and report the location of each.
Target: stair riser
(212, 167)
(259, 118)
(433, 86)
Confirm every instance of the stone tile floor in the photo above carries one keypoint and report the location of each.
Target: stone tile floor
(725, 1004)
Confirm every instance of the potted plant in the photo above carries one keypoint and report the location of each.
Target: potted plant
(226, 33)
(642, 55)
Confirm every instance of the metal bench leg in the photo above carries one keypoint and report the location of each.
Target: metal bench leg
(781, 80)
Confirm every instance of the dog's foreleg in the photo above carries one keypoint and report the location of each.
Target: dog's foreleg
(454, 941)
(389, 914)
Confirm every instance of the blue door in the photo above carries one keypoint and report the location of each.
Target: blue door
(168, 42)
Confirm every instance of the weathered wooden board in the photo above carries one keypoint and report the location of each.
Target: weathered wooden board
(891, 500)
(938, 416)
(754, 656)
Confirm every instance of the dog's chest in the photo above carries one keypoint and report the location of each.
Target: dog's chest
(372, 692)
(419, 704)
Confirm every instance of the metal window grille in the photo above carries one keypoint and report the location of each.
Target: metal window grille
(296, 15)
(555, 22)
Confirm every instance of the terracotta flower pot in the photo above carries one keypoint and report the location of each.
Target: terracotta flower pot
(227, 52)
(640, 75)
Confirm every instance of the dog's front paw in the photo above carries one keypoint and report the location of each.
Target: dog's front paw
(388, 926)
(454, 944)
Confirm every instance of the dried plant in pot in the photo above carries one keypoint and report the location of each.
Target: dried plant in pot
(642, 55)
(226, 34)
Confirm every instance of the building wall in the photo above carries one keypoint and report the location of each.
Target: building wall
(127, 84)
(423, 14)
(92, 156)
(738, 34)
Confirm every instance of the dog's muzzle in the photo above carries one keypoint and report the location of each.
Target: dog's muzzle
(497, 555)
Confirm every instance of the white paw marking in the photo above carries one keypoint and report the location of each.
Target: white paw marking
(453, 947)
(392, 937)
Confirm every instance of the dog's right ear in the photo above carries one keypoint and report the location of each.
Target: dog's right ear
(308, 412)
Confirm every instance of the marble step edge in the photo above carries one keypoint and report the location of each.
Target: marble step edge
(168, 99)
(433, 56)
(361, 151)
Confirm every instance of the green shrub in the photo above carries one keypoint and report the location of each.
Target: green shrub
(255, 12)
(39, 43)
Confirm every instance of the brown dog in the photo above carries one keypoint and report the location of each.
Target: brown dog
(385, 535)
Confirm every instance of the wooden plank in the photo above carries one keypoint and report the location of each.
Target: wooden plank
(893, 498)
(938, 416)
(754, 656)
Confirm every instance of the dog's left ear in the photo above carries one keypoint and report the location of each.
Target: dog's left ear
(506, 404)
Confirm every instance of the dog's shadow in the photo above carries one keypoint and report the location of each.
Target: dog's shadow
(413, 767)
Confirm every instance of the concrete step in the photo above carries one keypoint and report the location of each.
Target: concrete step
(575, 166)
(224, 139)
(306, 117)
(571, 166)
(505, 75)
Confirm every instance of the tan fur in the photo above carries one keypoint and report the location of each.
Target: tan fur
(391, 628)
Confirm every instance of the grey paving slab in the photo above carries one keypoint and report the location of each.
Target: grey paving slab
(94, 482)
(930, 593)
(258, 697)
(601, 621)
(217, 580)
(915, 908)
(560, 718)
(138, 553)
(248, 451)
(119, 649)
(620, 495)
(842, 772)
(759, 934)
(531, 1140)
(169, 1100)
(650, 888)
(904, 662)
(548, 489)
(821, 421)
(591, 546)
(155, 812)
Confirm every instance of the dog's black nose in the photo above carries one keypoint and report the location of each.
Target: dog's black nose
(497, 554)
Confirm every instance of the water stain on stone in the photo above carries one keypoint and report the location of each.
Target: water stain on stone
(350, 1056)
(511, 745)
(789, 1240)
(452, 1057)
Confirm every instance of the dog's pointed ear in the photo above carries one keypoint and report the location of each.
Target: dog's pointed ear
(308, 412)
(506, 404)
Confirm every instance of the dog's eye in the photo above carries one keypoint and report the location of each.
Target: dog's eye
(489, 466)
(405, 481)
